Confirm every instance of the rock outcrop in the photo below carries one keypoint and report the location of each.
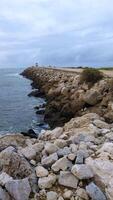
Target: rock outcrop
(67, 97)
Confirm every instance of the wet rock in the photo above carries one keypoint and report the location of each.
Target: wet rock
(49, 160)
(94, 192)
(31, 133)
(82, 171)
(61, 164)
(19, 189)
(41, 171)
(47, 182)
(36, 93)
(41, 111)
(67, 179)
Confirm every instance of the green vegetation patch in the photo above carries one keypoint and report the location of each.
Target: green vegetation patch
(90, 75)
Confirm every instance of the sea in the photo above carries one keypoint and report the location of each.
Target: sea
(17, 112)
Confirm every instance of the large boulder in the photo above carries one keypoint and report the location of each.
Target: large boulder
(103, 173)
(50, 148)
(30, 151)
(82, 171)
(41, 171)
(92, 97)
(4, 195)
(49, 160)
(19, 189)
(61, 164)
(67, 179)
(4, 178)
(94, 192)
(14, 164)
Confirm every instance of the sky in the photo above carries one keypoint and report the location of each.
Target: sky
(56, 32)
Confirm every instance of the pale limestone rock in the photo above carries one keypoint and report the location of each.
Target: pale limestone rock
(60, 143)
(47, 182)
(92, 97)
(67, 194)
(109, 190)
(94, 192)
(107, 147)
(38, 147)
(33, 162)
(4, 178)
(49, 160)
(60, 198)
(67, 179)
(4, 195)
(50, 148)
(63, 152)
(19, 189)
(82, 171)
(41, 171)
(71, 156)
(102, 169)
(80, 192)
(52, 195)
(61, 164)
(101, 124)
(29, 152)
(14, 164)
(74, 148)
(56, 133)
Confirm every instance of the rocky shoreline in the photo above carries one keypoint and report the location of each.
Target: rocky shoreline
(67, 97)
(72, 161)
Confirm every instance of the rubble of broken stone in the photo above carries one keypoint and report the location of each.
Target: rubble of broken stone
(71, 162)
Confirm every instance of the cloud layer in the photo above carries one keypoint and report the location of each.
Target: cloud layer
(62, 32)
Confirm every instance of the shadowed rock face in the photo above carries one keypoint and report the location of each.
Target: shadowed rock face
(67, 97)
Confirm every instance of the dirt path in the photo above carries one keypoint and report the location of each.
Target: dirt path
(76, 70)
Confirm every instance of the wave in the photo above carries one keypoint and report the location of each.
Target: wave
(13, 74)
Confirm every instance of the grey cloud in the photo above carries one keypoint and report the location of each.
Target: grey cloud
(62, 32)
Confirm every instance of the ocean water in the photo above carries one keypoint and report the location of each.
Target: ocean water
(16, 108)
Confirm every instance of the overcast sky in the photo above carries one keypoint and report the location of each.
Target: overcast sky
(56, 32)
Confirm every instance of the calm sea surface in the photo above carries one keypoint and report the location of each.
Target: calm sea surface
(16, 108)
